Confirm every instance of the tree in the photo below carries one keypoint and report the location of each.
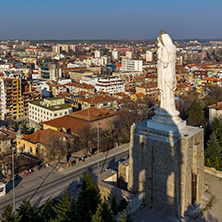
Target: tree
(24, 129)
(28, 212)
(114, 206)
(97, 217)
(47, 212)
(125, 217)
(208, 164)
(55, 146)
(8, 216)
(16, 127)
(64, 208)
(196, 114)
(213, 149)
(87, 139)
(217, 163)
(103, 213)
(88, 199)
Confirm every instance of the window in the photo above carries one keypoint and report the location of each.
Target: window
(30, 149)
(55, 114)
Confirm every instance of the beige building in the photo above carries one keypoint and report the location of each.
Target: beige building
(7, 139)
(76, 76)
(47, 109)
(99, 102)
(215, 112)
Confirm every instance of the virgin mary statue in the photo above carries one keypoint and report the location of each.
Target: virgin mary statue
(166, 52)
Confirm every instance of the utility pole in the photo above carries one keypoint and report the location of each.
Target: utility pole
(98, 147)
(13, 181)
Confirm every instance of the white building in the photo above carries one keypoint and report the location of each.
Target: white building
(112, 85)
(115, 55)
(47, 109)
(129, 65)
(98, 54)
(129, 54)
(149, 56)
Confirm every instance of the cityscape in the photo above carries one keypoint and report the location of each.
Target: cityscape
(115, 124)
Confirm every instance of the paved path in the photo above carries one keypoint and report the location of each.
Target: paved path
(214, 212)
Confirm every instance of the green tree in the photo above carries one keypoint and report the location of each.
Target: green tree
(8, 216)
(123, 205)
(16, 127)
(97, 217)
(217, 163)
(47, 212)
(208, 164)
(103, 213)
(64, 208)
(88, 199)
(28, 213)
(213, 149)
(24, 129)
(125, 217)
(196, 114)
(114, 206)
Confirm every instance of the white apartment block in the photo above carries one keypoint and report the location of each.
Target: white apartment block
(47, 109)
(112, 85)
(98, 54)
(129, 54)
(129, 65)
(149, 56)
(101, 61)
(63, 47)
(115, 55)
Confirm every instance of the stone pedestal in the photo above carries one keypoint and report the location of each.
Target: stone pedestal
(167, 163)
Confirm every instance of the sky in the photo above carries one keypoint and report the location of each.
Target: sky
(113, 19)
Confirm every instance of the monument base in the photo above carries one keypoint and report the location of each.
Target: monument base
(166, 162)
(166, 122)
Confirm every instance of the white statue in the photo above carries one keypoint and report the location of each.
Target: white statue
(166, 53)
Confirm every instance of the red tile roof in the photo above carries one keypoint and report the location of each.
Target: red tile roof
(80, 119)
(42, 136)
(92, 114)
(216, 106)
(99, 99)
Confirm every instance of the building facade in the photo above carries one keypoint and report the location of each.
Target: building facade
(129, 65)
(112, 85)
(46, 109)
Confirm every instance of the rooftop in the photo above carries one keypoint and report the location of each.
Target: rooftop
(99, 99)
(52, 108)
(43, 136)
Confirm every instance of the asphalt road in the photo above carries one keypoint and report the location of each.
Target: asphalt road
(70, 180)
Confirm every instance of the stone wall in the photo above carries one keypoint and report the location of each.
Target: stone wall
(161, 165)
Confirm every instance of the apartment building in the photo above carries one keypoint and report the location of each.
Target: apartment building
(99, 102)
(129, 65)
(49, 71)
(12, 105)
(149, 56)
(46, 109)
(149, 89)
(112, 85)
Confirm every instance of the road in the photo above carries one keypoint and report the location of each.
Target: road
(68, 179)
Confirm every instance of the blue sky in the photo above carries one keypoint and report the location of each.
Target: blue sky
(115, 19)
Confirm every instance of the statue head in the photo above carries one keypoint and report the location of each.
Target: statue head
(165, 38)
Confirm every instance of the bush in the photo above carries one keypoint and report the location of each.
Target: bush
(217, 164)
(208, 164)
